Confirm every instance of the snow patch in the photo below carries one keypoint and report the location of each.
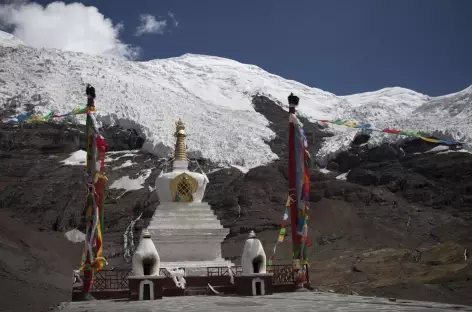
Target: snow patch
(129, 184)
(325, 171)
(215, 170)
(242, 169)
(127, 163)
(123, 152)
(439, 148)
(75, 236)
(457, 151)
(109, 159)
(77, 158)
(343, 176)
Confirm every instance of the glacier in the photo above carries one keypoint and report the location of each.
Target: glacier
(213, 95)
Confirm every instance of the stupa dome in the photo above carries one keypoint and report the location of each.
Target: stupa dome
(180, 184)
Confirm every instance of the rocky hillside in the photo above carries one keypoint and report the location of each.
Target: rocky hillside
(35, 266)
(394, 220)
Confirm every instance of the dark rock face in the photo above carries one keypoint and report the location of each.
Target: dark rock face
(347, 160)
(120, 139)
(384, 152)
(63, 138)
(436, 180)
(278, 119)
(36, 186)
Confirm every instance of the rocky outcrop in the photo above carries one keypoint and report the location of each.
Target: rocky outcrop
(37, 186)
(439, 179)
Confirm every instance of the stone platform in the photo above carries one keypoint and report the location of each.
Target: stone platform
(187, 232)
(289, 302)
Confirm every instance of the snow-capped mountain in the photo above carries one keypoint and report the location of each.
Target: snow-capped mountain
(8, 40)
(383, 104)
(457, 105)
(212, 95)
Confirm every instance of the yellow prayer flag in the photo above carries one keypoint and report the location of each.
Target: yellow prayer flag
(281, 238)
(287, 204)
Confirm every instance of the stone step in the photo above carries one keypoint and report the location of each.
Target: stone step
(166, 227)
(183, 206)
(166, 232)
(173, 234)
(156, 233)
(171, 222)
(183, 213)
(192, 240)
(184, 217)
(207, 208)
(208, 213)
(185, 225)
(187, 217)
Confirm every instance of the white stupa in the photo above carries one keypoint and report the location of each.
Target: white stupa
(184, 229)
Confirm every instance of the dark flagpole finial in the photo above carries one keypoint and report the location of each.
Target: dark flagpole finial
(90, 92)
(293, 101)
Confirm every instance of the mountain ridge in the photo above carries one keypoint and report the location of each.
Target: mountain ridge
(210, 93)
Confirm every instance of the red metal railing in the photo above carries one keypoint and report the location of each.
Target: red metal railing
(117, 279)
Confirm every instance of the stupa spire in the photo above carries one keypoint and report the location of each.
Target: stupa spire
(180, 146)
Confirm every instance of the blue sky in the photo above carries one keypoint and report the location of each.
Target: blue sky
(342, 46)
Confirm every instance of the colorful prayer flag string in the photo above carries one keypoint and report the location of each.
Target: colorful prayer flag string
(46, 117)
(95, 184)
(421, 135)
(302, 192)
(282, 231)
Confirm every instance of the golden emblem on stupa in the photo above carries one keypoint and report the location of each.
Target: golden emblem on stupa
(182, 186)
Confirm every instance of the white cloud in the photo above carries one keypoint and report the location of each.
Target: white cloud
(172, 16)
(72, 27)
(150, 25)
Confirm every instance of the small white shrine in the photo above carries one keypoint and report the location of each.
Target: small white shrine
(145, 283)
(253, 258)
(255, 281)
(185, 231)
(146, 260)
